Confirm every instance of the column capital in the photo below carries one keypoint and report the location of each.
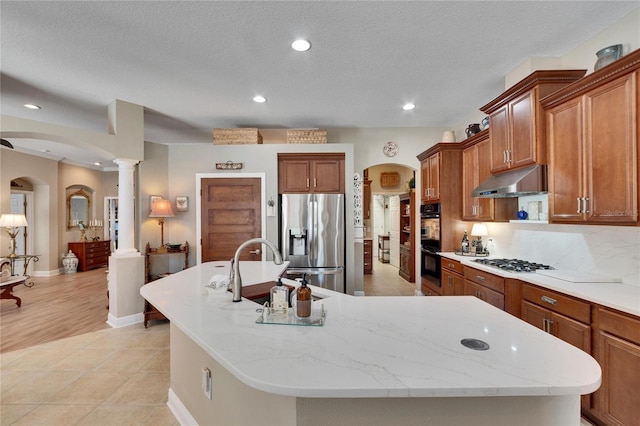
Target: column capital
(125, 163)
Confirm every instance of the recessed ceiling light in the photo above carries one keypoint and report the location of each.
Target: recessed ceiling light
(44, 150)
(31, 106)
(301, 45)
(97, 163)
(408, 107)
(259, 99)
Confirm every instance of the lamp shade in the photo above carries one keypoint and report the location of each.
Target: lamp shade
(13, 220)
(161, 208)
(479, 230)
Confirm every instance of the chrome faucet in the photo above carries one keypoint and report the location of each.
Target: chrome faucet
(234, 274)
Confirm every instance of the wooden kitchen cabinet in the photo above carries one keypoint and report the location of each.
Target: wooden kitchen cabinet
(367, 256)
(593, 147)
(517, 128)
(431, 178)
(484, 286)
(617, 350)
(407, 226)
(562, 316)
(311, 173)
(448, 175)
(452, 278)
(476, 168)
(91, 254)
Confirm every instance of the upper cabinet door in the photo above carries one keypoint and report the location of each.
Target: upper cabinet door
(611, 151)
(295, 176)
(499, 130)
(522, 151)
(566, 174)
(327, 176)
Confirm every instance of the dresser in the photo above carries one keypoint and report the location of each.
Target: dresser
(91, 254)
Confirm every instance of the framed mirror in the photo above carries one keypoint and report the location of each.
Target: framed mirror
(78, 208)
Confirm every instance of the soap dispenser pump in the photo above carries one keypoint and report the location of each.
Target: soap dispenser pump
(303, 299)
(279, 298)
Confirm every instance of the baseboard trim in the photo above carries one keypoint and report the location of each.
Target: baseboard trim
(115, 322)
(178, 409)
(45, 274)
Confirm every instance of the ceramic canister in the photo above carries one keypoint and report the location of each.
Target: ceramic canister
(448, 136)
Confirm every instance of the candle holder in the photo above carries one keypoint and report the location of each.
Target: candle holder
(95, 232)
(94, 225)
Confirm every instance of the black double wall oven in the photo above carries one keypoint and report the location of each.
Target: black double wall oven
(430, 241)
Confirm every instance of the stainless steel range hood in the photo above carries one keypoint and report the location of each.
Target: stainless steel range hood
(515, 183)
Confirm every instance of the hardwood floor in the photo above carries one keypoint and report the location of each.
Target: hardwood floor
(72, 304)
(54, 308)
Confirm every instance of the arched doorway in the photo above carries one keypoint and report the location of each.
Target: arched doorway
(387, 182)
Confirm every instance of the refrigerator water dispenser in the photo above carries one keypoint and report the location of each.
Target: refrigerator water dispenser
(298, 242)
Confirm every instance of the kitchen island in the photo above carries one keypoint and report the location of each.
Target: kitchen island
(377, 360)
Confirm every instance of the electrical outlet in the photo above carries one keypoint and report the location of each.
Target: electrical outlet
(207, 385)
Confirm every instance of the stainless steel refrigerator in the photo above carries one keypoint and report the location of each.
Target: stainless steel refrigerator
(312, 238)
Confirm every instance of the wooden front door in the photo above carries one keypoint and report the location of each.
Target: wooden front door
(231, 215)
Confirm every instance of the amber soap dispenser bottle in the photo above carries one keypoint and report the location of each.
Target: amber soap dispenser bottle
(303, 300)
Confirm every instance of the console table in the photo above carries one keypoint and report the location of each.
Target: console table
(7, 283)
(91, 254)
(150, 253)
(9, 264)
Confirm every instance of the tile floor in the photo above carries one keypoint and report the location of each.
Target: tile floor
(385, 281)
(113, 376)
(107, 377)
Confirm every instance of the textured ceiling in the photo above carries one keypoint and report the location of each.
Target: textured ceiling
(196, 65)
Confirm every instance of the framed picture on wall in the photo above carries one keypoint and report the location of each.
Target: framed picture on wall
(182, 203)
(153, 199)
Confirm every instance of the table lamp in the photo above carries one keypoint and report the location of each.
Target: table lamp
(12, 222)
(479, 230)
(161, 209)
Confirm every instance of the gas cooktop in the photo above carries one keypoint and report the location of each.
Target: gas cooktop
(513, 265)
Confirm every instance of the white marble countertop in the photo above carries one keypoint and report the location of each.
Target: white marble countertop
(623, 297)
(372, 346)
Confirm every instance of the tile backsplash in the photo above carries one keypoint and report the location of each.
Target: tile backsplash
(606, 250)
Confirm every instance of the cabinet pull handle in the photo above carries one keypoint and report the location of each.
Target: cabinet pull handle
(504, 156)
(544, 325)
(480, 278)
(450, 280)
(549, 300)
(451, 265)
(256, 251)
(315, 182)
(307, 182)
(585, 209)
(578, 200)
(509, 156)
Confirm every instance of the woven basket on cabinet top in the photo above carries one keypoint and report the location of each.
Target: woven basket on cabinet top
(307, 136)
(238, 136)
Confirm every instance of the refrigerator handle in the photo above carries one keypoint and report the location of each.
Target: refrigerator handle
(313, 243)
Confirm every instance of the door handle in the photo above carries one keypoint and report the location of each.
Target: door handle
(256, 251)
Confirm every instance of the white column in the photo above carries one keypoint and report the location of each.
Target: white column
(126, 238)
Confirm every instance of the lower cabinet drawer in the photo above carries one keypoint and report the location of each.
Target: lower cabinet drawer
(485, 279)
(557, 302)
(483, 293)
